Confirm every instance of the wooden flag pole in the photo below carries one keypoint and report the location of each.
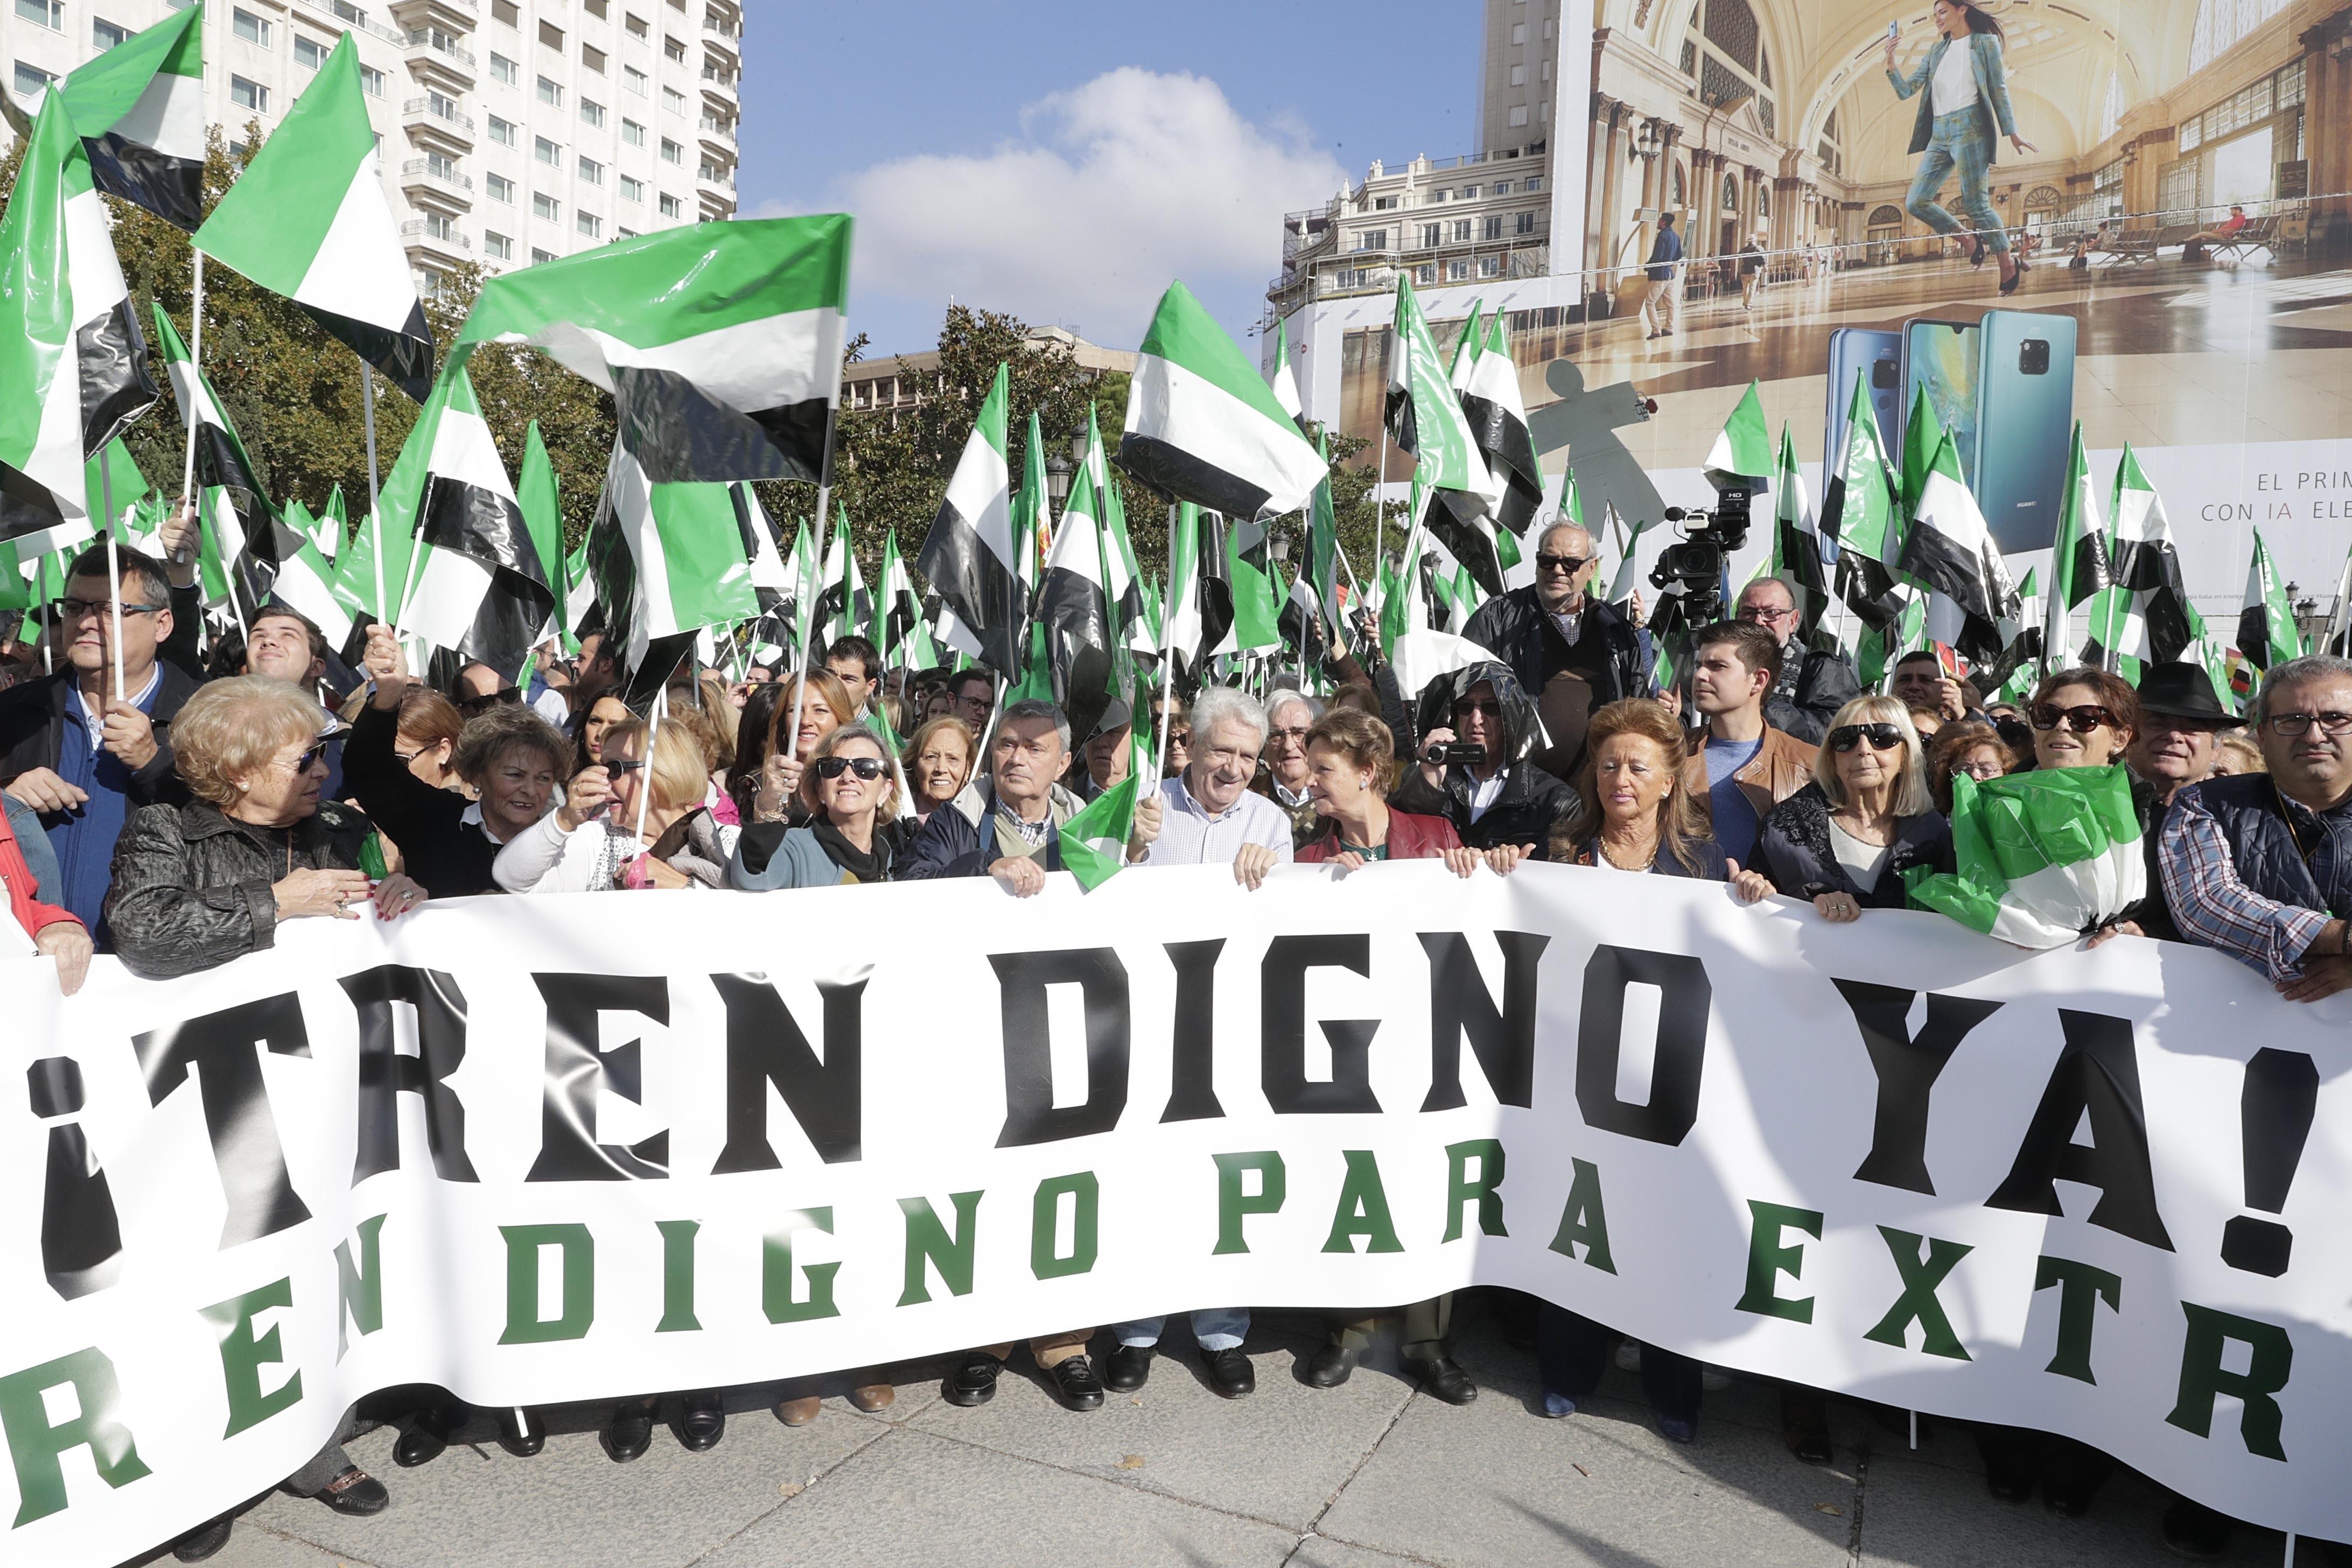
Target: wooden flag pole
(375, 502)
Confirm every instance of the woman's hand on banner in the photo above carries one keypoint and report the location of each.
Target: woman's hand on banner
(1463, 860)
(2113, 928)
(1504, 858)
(69, 944)
(1750, 887)
(397, 894)
(1837, 908)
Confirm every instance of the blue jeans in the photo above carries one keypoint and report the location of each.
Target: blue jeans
(1216, 1328)
(1958, 142)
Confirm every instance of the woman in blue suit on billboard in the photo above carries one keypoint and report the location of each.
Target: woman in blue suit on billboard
(1963, 113)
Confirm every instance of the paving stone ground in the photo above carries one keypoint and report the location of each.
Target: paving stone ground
(1372, 1475)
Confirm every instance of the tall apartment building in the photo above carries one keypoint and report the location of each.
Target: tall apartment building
(513, 130)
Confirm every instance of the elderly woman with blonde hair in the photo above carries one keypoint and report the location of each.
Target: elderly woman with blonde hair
(198, 884)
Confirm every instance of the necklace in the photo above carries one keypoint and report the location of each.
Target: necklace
(1601, 845)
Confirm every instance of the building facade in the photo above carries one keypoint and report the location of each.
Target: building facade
(513, 130)
(894, 385)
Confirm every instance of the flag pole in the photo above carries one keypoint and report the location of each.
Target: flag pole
(196, 383)
(114, 572)
(375, 506)
(645, 780)
(799, 678)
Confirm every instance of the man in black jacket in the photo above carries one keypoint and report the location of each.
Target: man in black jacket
(1571, 651)
(1502, 800)
(77, 753)
(1814, 683)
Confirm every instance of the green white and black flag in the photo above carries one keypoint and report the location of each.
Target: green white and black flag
(1284, 381)
(2078, 553)
(1073, 609)
(843, 607)
(482, 590)
(2144, 615)
(721, 343)
(308, 220)
(1796, 537)
(668, 560)
(972, 556)
(1498, 415)
(2267, 633)
(1424, 411)
(897, 611)
(1948, 549)
(1201, 427)
(73, 365)
(139, 110)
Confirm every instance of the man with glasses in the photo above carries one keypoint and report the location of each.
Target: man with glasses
(1572, 650)
(975, 696)
(1282, 778)
(1813, 683)
(74, 752)
(2260, 865)
(1499, 800)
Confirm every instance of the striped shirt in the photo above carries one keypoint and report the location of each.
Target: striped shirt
(2215, 907)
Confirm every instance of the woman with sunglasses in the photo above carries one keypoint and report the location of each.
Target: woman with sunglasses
(2088, 718)
(767, 775)
(854, 836)
(634, 822)
(1845, 841)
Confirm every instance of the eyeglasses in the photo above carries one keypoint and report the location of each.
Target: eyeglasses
(2084, 719)
(625, 764)
(1764, 612)
(76, 609)
(1294, 736)
(867, 768)
(1483, 709)
(1882, 737)
(2330, 724)
(483, 703)
(1546, 561)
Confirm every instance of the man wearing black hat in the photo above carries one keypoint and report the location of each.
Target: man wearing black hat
(2181, 715)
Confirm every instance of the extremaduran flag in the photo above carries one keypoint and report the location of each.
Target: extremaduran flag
(1203, 428)
(971, 556)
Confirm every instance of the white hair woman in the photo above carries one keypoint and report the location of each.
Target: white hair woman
(1845, 841)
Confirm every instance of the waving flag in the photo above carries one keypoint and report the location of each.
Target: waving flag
(971, 555)
(240, 546)
(139, 110)
(2267, 633)
(721, 343)
(1201, 427)
(668, 560)
(483, 589)
(1285, 381)
(897, 611)
(2078, 554)
(1094, 840)
(1199, 616)
(1498, 415)
(1742, 453)
(843, 607)
(1948, 548)
(73, 366)
(1074, 611)
(2144, 615)
(1796, 537)
(1032, 512)
(1424, 412)
(308, 220)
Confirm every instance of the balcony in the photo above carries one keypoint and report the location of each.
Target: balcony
(437, 236)
(439, 124)
(425, 179)
(719, 137)
(339, 16)
(434, 51)
(712, 181)
(726, 78)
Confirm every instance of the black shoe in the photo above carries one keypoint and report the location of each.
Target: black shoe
(1229, 1373)
(2192, 1530)
(354, 1493)
(1331, 1366)
(1805, 1426)
(628, 1433)
(1441, 1379)
(424, 1442)
(1075, 1384)
(515, 1440)
(2011, 1486)
(204, 1539)
(974, 1382)
(700, 1423)
(1127, 1368)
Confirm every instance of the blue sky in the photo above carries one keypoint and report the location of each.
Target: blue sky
(1063, 160)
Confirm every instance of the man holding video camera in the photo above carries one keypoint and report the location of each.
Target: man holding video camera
(1571, 650)
(1478, 727)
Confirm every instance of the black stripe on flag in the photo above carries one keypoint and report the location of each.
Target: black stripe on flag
(406, 357)
(467, 520)
(1071, 608)
(1403, 423)
(513, 610)
(2254, 636)
(680, 434)
(1499, 434)
(1177, 473)
(172, 189)
(26, 505)
(110, 358)
(1934, 558)
(1454, 518)
(2091, 570)
(803, 432)
(221, 465)
(984, 591)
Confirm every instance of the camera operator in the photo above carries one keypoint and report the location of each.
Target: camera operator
(1478, 724)
(1572, 650)
(1813, 683)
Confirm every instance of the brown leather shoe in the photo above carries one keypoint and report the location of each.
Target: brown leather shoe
(797, 1411)
(872, 1396)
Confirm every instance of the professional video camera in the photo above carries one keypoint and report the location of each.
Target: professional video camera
(1693, 565)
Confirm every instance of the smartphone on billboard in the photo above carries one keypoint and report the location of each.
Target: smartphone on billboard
(2025, 419)
(1940, 358)
(1877, 358)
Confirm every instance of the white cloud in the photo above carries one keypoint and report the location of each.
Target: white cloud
(1112, 189)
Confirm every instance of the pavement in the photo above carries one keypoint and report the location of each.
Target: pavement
(1370, 1475)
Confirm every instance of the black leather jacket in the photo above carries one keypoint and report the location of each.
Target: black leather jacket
(192, 888)
(1814, 684)
(1534, 805)
(1511, 628)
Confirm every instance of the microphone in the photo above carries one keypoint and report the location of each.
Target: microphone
(1675, 514)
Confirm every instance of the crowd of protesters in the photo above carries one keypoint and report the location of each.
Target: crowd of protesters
(178, 809)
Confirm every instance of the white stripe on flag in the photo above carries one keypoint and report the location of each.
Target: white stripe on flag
(360, 272)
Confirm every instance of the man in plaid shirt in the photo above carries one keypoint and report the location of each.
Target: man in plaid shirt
(2260, 865)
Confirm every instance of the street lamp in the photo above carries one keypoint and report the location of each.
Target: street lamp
(1057, 479)
(1648, 143)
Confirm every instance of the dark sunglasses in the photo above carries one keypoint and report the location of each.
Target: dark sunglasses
(1546, 561)
(1882, 737)
(625, 765)
(1490, 709)
(869, 768)
(2082, 720)
(485, 701)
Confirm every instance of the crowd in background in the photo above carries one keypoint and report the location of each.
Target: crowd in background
(177, 807)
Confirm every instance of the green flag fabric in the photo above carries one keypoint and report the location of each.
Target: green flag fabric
(2041, 857)
(1742, 453)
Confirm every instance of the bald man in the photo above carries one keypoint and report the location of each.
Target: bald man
(1572, 649)
(1814, 683)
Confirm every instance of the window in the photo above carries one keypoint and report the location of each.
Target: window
(1433, 234)
(1532, 184)
(546, 206)
(589, 223)
(1373, 239)
(547, 152)
(249, 95)
(1518, 76)
(672, 207)
(633, 190)
(550, 91)
(253, 29)
(49, 14)
(500, 187)
(671, 152)
(104, 33)
(550, 36)
(497, 247)
(538, 256)
(624, 233)
(2222, 23)
(1490, 267)
(1518, 32)
(1547, 65)
(504, 69)
(1426, 274)
(673, 50)
(632, 134)
(502, 131)
(372, 81)
(1502, 187)
(1461, 231)
(673, 100)
(1518, 115)
(308, 53)
(593, 57)
(709, 170)
(504, 11)
(1524, 224)
(598, 9)
(31, 79)
(635, 80)
(638, 28)
(1382, 203)
(442, 167)
(1457, 271)
(592, 112)
(1469, 193)
(1493, 229)
(592, 171)
(442, 106)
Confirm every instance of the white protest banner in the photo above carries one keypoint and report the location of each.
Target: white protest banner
(573, 1148)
